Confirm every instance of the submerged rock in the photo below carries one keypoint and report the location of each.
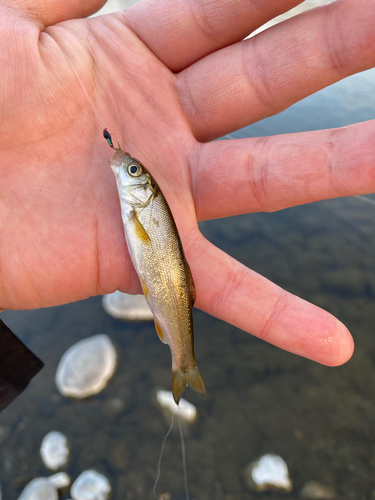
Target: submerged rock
(314, 490)
(127, 307)
(60, 480)
(86, 367)
(39, 489)
(45, 488)
(186, 410)
(54, 450)
(270, 472)
(90, 485)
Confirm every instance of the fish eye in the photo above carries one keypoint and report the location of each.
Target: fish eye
(135, 170)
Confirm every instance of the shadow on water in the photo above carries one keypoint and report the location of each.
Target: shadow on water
(260, 399)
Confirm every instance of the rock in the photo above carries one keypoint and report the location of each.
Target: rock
(39, 489)
(127, 307)
(270, 472)
(90, 485)
(113, 407)
(60, 480)
(314, 490)
(86, 367)
(187, 411)
(54, 450)
(4, 432)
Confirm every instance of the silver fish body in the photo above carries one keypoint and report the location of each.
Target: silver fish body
(157, 255)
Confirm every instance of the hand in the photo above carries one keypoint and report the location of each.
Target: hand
(166, 76)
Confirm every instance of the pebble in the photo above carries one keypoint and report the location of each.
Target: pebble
(60, 480)
(90, 485)
(4, 432)
(39, 489)
(127, 307)
(86, 367)
(45, 488)
(270, 472)
(187, 411)
(54, 450)
(314, 490)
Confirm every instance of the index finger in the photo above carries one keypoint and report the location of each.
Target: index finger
(181, 32)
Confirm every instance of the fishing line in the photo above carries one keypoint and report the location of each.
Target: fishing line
(106, 134)
(184, 468)
(161, 456)
(108, 138)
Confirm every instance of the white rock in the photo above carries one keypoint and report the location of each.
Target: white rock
(269, 472)
(90, 485)
(60, 480)
(128, 307)
(39, 489)
(186, 410)
(86, 367)
(54, 450)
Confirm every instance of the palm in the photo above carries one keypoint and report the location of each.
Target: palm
(61, 231)
(69, 233)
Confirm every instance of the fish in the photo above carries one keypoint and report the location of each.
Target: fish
(156, 252)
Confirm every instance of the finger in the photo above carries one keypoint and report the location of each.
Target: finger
(271, 173)
(234, 293)
(265, 74)
(50, 12)
(181, 32)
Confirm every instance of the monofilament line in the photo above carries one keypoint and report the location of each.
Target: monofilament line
(161, 456)
(184, 468)
(85, 91)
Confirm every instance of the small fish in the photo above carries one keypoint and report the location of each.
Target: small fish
(157, 255)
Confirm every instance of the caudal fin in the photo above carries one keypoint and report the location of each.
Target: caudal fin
(181, 379)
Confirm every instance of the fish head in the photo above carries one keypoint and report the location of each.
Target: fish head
(136, 186)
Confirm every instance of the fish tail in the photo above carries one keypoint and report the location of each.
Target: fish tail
(181, 379)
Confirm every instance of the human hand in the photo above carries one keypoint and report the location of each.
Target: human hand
(166, 77)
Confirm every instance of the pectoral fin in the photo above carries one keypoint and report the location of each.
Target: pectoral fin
(191, 282)
(160, 332)
(139, 230)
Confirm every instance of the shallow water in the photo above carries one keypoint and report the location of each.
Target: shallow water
(260, 399)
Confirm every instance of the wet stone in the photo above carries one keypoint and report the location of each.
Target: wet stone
(113, 407)
(90, 485)
(39, 489)
(4, 432)
(127, 307)
(314, 490)
(54, 450)
(60, 480)
(86, 367)
(270, 472)
(186, 411)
